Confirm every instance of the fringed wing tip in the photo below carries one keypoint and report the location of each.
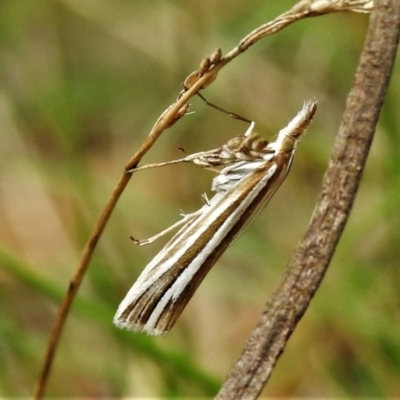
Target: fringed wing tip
(122, 324)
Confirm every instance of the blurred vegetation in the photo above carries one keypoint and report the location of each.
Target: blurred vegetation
(82, 82)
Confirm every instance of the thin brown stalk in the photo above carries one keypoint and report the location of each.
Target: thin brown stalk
(312, 255)
(198, 80)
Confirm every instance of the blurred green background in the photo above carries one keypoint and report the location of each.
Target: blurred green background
(82, 83)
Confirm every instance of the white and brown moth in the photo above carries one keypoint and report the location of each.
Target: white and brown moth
(253, 170)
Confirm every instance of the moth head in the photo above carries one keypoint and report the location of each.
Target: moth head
(292, 133)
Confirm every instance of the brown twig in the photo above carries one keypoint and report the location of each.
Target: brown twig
(207, 73)
(311, 258)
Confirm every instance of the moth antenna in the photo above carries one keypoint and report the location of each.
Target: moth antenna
(230, 113)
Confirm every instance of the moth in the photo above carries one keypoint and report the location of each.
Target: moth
(252, 171)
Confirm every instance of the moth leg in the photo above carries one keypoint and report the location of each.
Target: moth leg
(186, 219)
(206, 199)
(199, 159)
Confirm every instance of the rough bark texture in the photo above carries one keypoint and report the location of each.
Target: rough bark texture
(314, 252)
